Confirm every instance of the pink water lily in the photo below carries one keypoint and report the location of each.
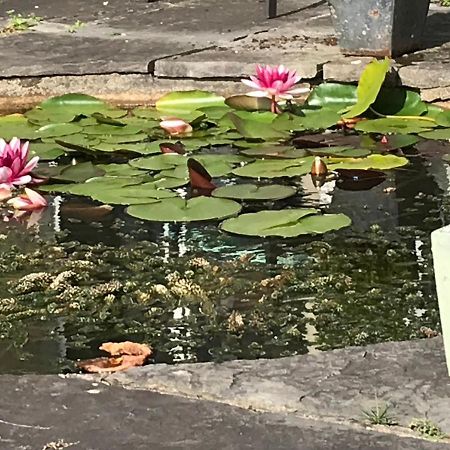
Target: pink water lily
(175, 126)
(14, 165)
(29, 201)
(275, 82)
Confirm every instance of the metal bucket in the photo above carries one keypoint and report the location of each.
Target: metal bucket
(379, 27)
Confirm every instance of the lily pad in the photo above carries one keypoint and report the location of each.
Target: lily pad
(139, 147)
(285, 223)
(341, 152)
(46, 152)
(181, 210)
(334, 96)
(131, 195)
(185, 101)
(57, 130)
(392, 142)
(376, 162)
(439, 134)
(400, 102)
(79, 172)
(369, 86)
(275, 151)
(16, 125)
(256, 129)
(111, 130)
(276, 168)
(394, 126)
(254, 192)
(248, 103)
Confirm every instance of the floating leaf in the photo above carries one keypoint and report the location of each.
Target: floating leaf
(255, 129)
(131, 195)
(181, 210)
(79, 172)
(394, 126)
(248, 103)
(441, 133)
(47, 152)
(185, 101)
(276, 168)
(285, 223)
(42, 116)
(119, 170)
(333, 96)
(341, 152)
(443, 118)
(275, 151)
(369, 86)
(391, 142)
(254, 192)
(16, 125)
(111, 130)
(146, 113)
(57, 130)
(377, 162)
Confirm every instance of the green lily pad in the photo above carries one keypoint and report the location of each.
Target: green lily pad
(44, 116)
(185, 101)
(135, 147)
(443, 118)
(310, 119)
(80, 104)
(376, 162)
(131, 195)
(47, 152)
(79, 172)
(369, 86)
(275, 151)
(112, 130)
(254, 192)
(16, 125)
(248, 103)
(215, 113)
(146, 113)
(119, 170)
(256, 129)
(394, 142)
(285, 223)
(276, 168)
(181, 210)
(341, 152)
(57, 130)
(394, 126)
(79, 142)
(122, 139)
(439, 134)
(333, 96)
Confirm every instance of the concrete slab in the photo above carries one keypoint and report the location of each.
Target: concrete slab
(336, 386)
(50, 412)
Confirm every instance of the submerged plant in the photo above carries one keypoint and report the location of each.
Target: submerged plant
(275, 82)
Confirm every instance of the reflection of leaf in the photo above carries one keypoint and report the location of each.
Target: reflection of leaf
(399, 101)
(368, 87)
(285, 223)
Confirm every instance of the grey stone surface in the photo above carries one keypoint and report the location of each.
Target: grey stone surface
(50, 412)
(336, 386)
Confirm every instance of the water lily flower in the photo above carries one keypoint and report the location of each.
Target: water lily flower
(275, 82)
(14, 165)
(175, 126)
(28, 201)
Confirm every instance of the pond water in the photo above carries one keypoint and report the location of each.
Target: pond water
(84, 276)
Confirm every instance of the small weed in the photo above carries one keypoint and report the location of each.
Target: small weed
(17, 22)
(76, 26)
(380, 415)
(427, 429)
(445, 2)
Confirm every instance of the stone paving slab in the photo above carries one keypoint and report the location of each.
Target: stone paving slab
(337, 386)
(52, 412)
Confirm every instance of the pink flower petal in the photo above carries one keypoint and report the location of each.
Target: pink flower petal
(5, 192)
(29, 166)
(24, 179)
(175, 126)
(5, 174)
(258, 94)
(252, 84)
(35, 198)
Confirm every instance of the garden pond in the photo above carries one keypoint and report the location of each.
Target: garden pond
(224, 246)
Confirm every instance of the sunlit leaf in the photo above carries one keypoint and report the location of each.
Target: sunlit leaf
(254, 192)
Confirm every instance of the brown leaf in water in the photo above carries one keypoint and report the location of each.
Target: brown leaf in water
(85, 211)
(126, 348)
(124, 355)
